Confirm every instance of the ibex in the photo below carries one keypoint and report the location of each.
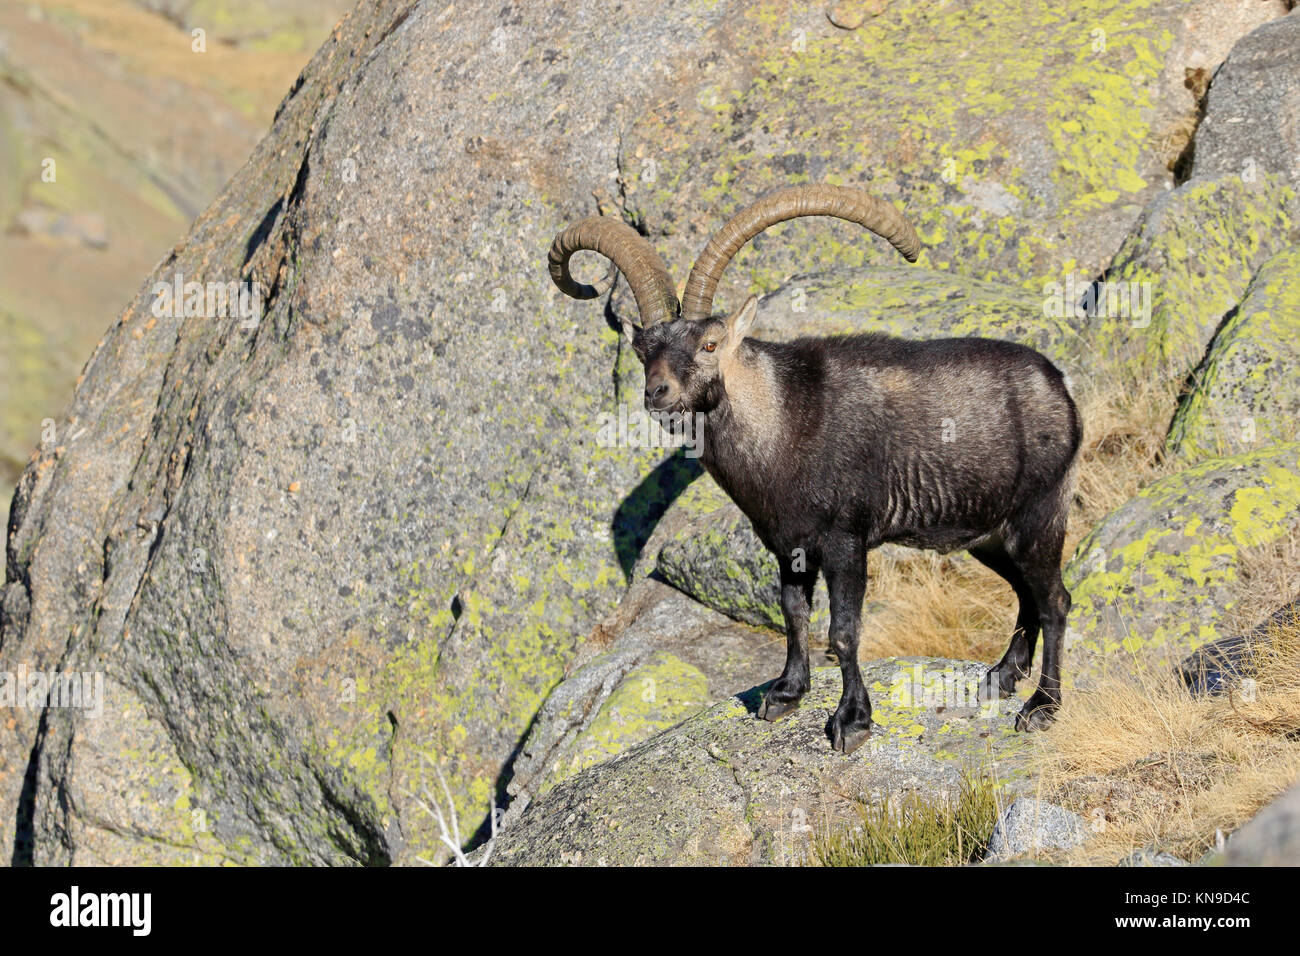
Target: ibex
(832, 446)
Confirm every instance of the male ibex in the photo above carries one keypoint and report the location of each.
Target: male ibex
(832, 446)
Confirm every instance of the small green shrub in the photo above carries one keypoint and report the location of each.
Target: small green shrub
(919, 830)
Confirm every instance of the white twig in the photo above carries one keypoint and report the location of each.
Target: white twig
(450, 836)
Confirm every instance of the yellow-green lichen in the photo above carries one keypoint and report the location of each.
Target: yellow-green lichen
(652, 697)
(941, 104)
(1156, 576)
(1247, 392)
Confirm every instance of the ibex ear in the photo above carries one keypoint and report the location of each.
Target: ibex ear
(635, 337)
(741, 321)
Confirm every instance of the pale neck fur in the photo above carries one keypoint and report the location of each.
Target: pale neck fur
(754, 400)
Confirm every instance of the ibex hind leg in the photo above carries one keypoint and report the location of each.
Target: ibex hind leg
(1000, 680)
(846, 581)
(1035, 546)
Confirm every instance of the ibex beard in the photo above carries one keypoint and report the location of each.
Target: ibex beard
(833, 446)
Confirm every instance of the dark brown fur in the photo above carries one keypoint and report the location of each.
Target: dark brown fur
(832, 446)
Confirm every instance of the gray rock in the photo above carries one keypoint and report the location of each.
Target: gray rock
(1272, 838)
(1190, 258)
(1042, 169)
(1149, 856)
(1155, 578)
(724, 787)
(1252, 111)
(1028, 826)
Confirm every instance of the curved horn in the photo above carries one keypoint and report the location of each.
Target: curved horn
(791, 202)
(630, 252)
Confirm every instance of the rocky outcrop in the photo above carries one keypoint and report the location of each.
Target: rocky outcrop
(1252, 116)
(1155, 577)
(370, 527)
(1272, 837)
(1246, 393)
(1188, 263)
(373, 524)
(673, 660)
(725, 788)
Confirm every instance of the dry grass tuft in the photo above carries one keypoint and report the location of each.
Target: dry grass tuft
(1148, 764)
(936, 606)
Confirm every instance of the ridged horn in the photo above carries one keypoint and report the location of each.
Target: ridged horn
(791, 202)
(630, 252)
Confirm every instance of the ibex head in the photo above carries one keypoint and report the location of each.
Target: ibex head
(687, 351)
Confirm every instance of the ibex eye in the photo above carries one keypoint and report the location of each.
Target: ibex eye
(710, 346)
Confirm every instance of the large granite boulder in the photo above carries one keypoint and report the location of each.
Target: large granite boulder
(1246, 393)
(725, 788)
(367, 521)
(364, 525)
(1155, 578)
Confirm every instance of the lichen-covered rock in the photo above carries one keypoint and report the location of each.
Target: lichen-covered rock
(1029, 826)
(919, 304)
(372, 525)
(653, 696)
(726, 788)
(1190, 258)
(1272, 837)
(368, 525)
(1021, 156)
(718, 560)
(1247, 390)
(1252, 116)
(674, 658)
(1155, 577)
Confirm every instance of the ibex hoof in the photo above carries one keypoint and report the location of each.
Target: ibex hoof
(998, 683)
(772, 709)
(1038, 713)
(848, 735)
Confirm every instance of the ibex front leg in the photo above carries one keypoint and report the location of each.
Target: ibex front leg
(796, 604)
(846, 578)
